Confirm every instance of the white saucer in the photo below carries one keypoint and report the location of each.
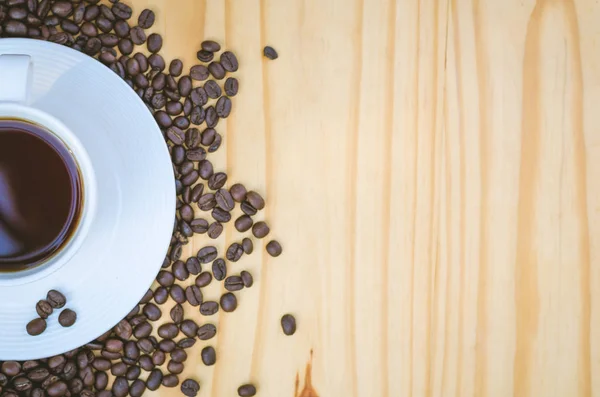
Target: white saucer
(134, 208)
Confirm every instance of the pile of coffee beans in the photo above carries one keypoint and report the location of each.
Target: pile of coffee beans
(187, 104)
(45, 308)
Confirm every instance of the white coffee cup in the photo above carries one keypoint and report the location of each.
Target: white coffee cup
(16, 73)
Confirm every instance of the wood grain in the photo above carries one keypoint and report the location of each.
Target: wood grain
(432, 169)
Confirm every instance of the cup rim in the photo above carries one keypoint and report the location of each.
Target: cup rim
(88, 193)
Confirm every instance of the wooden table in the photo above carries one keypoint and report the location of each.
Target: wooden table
(432, 169)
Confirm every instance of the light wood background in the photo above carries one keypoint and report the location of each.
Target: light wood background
(432, 169)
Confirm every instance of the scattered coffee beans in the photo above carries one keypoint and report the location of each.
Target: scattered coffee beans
(270, 53)
(67, 318)
(246, 390)
(36, 327)
(288, 324)
(190, 388)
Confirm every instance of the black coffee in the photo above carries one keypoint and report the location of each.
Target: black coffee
(40, 195)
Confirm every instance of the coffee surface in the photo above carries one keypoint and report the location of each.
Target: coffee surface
(40, 195)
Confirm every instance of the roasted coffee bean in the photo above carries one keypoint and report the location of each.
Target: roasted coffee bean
(193, 266)
(62, 8)
(229, 61)
(17, 13)
(163, 119)
(122, 10)
(57, 363)
(101, 380)
(138, 36)
(190, 388)
(36, 327)
(186, 343)
(120, 387)
(107, 58)
(181, 122)
(228, 302)
(146, 19)
(260, 229)
(248, 209)
(69, 26)
(107, 13)
(179, 355)
(168, 331)
(198, 97)
(158, 358)
(145, 345)
(146, 363)
(86, 375)
(43, 308)
(219, 269)
(152, 311)
(180, 271)
(193, 295)
(274, 248)
(205, 56)
(141, 81)
(198, 154)
(137, 320)
(216, 70)
(192, 137)
(85, 357)
(207, 202)
(205, 168)
(142, 61)
(110, 356)
(234, 252)
(125, 46)
(56, 299)
(198, 115)
(222, 196)
(199, 226)
(57, 389)
(154, 379)
(247, 390)
(209, 308)
(210, 45)
(212, 89)
(215, 230)
(231, 86)
(133, 68)
(177, 293)
(175, 253)
(207, 254)
(185, 85)
(59, 38)
(238, 192)
(157, 63)
(115, 345)
(206, 332)
(223, 107)
(175, 69)
(38, 374)
(212, 118)
(288, 324)
(104, 24)
(178, 155)
(165, 278)
(247, 246)
(209, 356)
(142, 330)
(122, 28)
(158, 101)
(89, 29)
(10, 368)
(208, 137)
(170, 381)
(137, 388)
(75, 387)
(91, 11)
(187, 213)
(133, 372)
(255, 200)
(199, 72)
(147, 297)
(123, 330)
(270, 53)
(101, 364)
(247, 279)
(234, 283)
(221, 215)
(203, 279)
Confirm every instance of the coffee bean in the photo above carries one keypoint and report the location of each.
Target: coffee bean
(215, 230)
(146, 19)
(199, 226)
(57, 389)
(229, 61)
(101, 380)
(123, 330)
(205, 56)
(198, 115)
(163, 119)
(212, 89)
(69, 26)
(228, 302)
(185, 85)
(36, 375)
(36, 327)
(234, 252)
(198, 154)
(205, 169)
(160, 295)
(181, 122)
(175, 68)
(176, 313)
(170, 381)
(209, 356)
(137, 388)
(110, 355)
(255, 200)
(247, 390)
(175, 367)
(142, 61)
(192, 137)
(203, 279)
(91, 11)
(288, 324)
(247, 279)
(154, 379)
(165, 278)
(138, 36)
(133, 68)
(207, 201)
(220, 215)
(234, 283)
(179, 271)
(10, 368)
(152, 312)
(274, 248)
(120, 387)
(219, 269)
(177, 293)
(186, 229)
(198, 96)
(122, 10)
(62, 8)
(17, 13)
(147, 296)
(199, 72)
(15, 28)
(167, 345)
(270, 53)
(101, 364)
(43, 308)
(209, 308)
(260, 229)
(146, 363)
(190, 388)
(207, 254)
(193, 295)
(67, 318)
(142, 330)
(104, 24)
(231, 86)
(56, 299)
(216, 144)
(211, 46)
(216, 70)
(122, 28)
(157, 62)
(107, 13)
(247, 246)
(158, 358)
(168, 331)
(217, 181)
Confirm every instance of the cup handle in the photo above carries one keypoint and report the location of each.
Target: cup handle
(16, 72)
